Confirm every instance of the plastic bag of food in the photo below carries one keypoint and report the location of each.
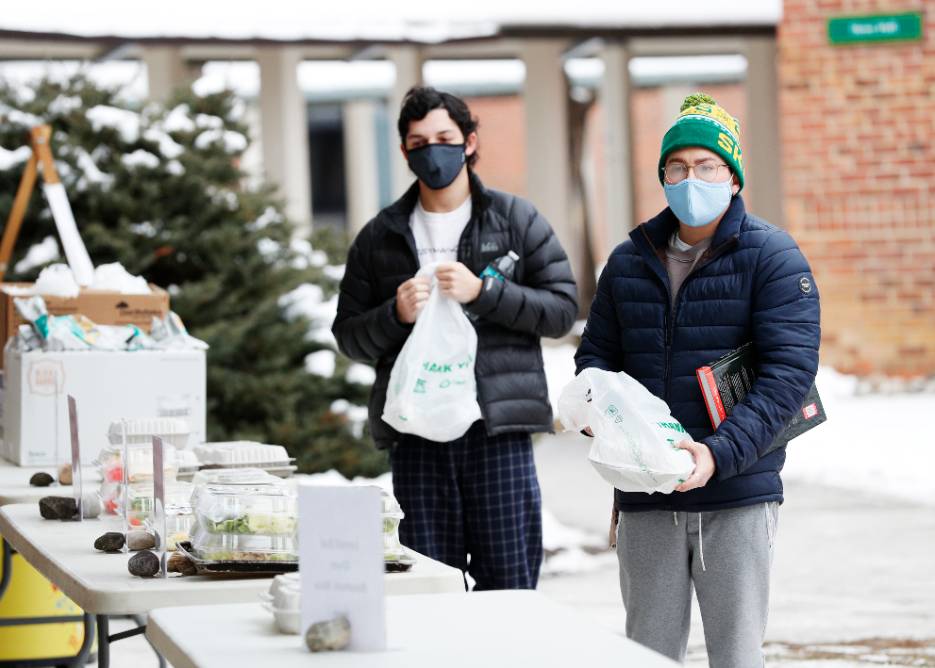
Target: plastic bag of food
(634, 433)
(432, 391)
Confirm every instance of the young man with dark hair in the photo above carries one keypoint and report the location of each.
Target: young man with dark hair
(473, 502)
(697, 281)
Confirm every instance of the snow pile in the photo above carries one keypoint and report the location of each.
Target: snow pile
(179, 120)
(334, 271)
(361, 374)
(320, 363)
(175, 168)
(334, 478)
(268, 248)
(571, 550)
(90, 171)
(10, 159)
(57, 280)
(64, 105)
(144, 229)
(308, 300)
(306, 256)
(559, 361)
(140, 158)
(209, 121)
(167, 146)
(356, 416)
(232, 142)
(38, 255)
(269, 215)
(116, 278)
(880, 444)
(17, 117)
(126, 123)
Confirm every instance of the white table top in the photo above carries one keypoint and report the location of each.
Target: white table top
(15, 487)
(100, 583)
(488, 629)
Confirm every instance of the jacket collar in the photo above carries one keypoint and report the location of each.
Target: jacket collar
(652, 237)
(399, 212)
(659, 229)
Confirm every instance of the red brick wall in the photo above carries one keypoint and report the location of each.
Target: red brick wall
(858, 137)
(502, 134)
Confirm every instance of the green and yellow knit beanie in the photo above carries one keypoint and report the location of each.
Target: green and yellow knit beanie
(703, 123)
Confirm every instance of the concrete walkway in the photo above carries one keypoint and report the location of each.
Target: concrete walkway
(853, 577)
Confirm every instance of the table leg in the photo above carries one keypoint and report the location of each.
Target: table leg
(103, 641)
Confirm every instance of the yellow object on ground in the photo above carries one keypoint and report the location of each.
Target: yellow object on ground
(31, 595)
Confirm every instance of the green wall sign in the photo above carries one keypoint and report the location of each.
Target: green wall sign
(875, 28)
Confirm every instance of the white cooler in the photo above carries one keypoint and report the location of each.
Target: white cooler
(107, 386)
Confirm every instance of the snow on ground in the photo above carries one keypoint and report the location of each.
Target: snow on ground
(874, 443)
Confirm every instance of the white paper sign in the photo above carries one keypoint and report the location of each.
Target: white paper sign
(341, 561)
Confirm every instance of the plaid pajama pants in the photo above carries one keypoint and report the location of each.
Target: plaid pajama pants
(473, 503)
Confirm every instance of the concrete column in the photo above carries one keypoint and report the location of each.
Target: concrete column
(284, 131)
(360, 163)
(618, 168)
(548, 177)
(759, 134)
(166, 71)
(408, 61)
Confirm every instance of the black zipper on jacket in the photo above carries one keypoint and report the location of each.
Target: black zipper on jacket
(672, 306)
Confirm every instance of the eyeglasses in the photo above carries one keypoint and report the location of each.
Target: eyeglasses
(706, 170)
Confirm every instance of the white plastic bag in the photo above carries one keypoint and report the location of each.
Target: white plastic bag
(432, 391)
(634, 433)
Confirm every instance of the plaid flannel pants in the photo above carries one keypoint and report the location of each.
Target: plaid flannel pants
(473, 503)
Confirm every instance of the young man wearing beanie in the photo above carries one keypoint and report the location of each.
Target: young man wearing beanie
(473, 502)
(697, 281)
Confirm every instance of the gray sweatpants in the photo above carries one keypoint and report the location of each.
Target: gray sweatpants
(725, 554)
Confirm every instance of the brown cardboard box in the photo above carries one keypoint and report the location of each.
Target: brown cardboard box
(101, 306)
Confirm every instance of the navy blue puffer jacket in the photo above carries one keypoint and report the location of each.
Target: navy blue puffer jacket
(752, 284)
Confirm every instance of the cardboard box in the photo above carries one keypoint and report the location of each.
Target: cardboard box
(107, 386)
(102, 306)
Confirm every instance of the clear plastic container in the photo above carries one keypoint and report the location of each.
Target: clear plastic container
(242, 453)
(172, 431)
(252, 519)
(244, 547)
(141, 502)
(247, 509)
(139, 463)
(178, 528)
(392, 515)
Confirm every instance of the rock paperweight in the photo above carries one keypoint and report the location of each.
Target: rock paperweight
(144, 564)
(58, 507)
(112, 541)
(330, 636)
(41, 479)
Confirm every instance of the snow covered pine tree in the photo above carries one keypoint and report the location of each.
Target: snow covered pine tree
(160, 189)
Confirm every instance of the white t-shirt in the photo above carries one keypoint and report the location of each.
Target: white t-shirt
(437, 234)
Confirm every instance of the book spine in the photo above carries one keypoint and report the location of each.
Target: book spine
(712, 395)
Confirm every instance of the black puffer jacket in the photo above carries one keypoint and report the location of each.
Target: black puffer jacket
(509, 317)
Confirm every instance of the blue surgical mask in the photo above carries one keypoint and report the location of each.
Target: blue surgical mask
(437, 165)
(697, 203)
